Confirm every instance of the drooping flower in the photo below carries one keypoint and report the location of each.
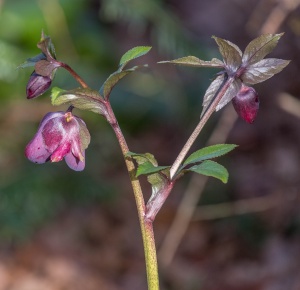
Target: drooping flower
(60, 135)
(246, 103)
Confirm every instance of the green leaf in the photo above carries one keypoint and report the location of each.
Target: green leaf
(231, 54)
(148, 168)
(211, 168)
(263, 70)
(195, 62)
(81, 98)
(156, 175)
(32, 60)
(259, 47)
(134, 53)
(209, 152)
(55, 92)
(143, 157)
(113, 79)
(147, 163)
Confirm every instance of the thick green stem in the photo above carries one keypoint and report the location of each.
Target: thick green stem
(199, 127)
(146, 225)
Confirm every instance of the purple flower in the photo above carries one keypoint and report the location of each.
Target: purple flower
(60, 135)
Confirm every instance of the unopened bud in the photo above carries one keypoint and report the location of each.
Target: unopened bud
(246, 103)
(37, 85)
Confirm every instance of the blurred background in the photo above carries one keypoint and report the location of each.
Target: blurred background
(61, 229)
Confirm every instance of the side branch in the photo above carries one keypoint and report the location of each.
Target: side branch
(199, 127)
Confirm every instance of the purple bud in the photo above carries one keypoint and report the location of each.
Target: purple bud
(246, 103)
(60, 135)
(37, 85)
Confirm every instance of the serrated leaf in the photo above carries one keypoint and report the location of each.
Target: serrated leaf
(211, 91)
(32, 61)
(231, 92)
(263, 70)
(47, 47)
(231, 54)
(211, 168)
(259, 47)
(113, 79)
(195, 62)
(143, 158)
(56, 91)
(209, 152)
(148, 168)
(81, 98)
(134, 53)
(147, 163)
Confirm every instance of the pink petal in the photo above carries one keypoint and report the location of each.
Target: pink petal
(53, 134)
(76, 149)
(74, 163)
(35, 151)
(50, 116)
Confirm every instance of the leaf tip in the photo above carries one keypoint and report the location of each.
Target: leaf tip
(163, 61)
(133, 53)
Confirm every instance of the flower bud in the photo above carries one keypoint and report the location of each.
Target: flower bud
(60, 135)
(37, 85)
(246, 103)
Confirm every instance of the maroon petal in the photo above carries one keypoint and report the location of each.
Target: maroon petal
(53, 134)
(74, 163)
(60, 152)
(246, 104)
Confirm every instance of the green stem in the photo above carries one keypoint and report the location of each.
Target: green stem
(146, 225)
(197, 130)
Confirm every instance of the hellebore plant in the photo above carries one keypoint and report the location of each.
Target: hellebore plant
(63, 135)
